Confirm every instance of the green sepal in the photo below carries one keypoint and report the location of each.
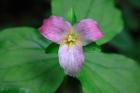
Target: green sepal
(71, 16)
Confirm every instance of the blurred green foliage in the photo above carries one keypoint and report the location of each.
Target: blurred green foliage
(128, 41)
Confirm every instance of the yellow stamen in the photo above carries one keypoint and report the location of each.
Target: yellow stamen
(71, 38)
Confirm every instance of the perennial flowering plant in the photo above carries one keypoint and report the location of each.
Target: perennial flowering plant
(71, 39)
(30, 63)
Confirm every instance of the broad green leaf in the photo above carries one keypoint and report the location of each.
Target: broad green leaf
(109, 73)
(14, 90)
(24, 63)
(103, 11)
(93, 47)
(52, 48)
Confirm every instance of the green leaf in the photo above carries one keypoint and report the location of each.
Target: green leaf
(14, 91)
(103, 11)
(71, 16)
(109, 73)
(93, 47)
(52, 48)
(24, 63)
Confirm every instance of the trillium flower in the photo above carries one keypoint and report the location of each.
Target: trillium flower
(71, 40)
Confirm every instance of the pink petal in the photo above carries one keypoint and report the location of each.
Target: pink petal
(71, 59)
(54, 28)
(89, 31)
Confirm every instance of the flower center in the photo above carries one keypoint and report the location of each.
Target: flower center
(71, 38)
